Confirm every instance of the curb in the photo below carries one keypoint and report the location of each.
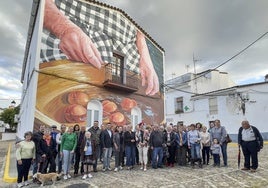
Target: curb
(6, 177)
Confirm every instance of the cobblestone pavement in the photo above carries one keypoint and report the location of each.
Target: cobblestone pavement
(177, 177)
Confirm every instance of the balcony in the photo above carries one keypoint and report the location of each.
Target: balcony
(118, 78)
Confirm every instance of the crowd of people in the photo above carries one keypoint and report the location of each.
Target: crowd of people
(51, 150)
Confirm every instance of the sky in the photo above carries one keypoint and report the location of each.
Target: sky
(211, 30)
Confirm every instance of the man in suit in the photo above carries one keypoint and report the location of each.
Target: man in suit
(251, 141)
(107, 143)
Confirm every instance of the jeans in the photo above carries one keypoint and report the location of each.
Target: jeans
(216, 158)
(224, 153)
(195, 151)
(59, 160)
(23, 169)
(157, 152)
(205, 154)
(181, 157)
(107, 153)
(171, 151)
(131, 155)
(67, 161)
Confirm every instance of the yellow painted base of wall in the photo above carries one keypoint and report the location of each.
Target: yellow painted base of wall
(6, 177)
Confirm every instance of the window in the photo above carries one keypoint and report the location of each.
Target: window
(136, 116)
(118, 68)
(178, 105)
(213, 106)
(94, 112)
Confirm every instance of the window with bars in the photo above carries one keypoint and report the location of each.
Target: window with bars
(178, 105)
(213, 105)
(118, 68)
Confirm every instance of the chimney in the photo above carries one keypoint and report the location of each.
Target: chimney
(266, 78)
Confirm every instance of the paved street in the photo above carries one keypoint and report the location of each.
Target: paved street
(178, 177)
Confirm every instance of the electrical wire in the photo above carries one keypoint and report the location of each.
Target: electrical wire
(234, 56)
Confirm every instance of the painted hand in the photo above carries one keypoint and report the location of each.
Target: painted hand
(77, 46)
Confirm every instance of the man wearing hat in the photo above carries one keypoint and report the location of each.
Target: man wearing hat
(53, 134)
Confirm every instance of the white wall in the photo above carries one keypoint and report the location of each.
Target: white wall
(229, 111)
(26, 117)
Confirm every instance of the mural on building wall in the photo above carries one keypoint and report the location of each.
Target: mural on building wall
(94, 53)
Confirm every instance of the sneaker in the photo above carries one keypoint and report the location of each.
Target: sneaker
(20, 185)
(141, 168)
(65, 177)
(245, 169)
(26, 183)
(84, 177)
(116, 169)
(104, 169)
(253, 170)
(69, 176)
(89, 175)
(109, 168)
(145, 169)
(121, 168)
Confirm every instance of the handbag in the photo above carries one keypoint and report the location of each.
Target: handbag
(228, 139)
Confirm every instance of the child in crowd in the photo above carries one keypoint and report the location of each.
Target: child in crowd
(216, 152)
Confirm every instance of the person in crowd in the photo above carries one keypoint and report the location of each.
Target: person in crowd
(142, 139)
(251, 141)
(53, 134)
(156, 143)
(88, 154)
(170, 140)
(40, 154)
(118, 147)
(58, 140)
(205, 142)
(220, 133)
(130, 147)
(150, 151)
(107, 144)
(194, 145)
(49, 146)
(68, 145)
(211, 125)
(181, 140)
(25, 156)
(216, 152)
(122, 143)
(95, 137)
(76, 129)
(137, 132)
(80, 137)
(103, 128)
(198, 126)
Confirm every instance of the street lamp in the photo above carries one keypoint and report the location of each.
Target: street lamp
(13, 103)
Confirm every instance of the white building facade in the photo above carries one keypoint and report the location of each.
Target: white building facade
(203, 100)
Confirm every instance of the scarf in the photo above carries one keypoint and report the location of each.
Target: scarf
(47, 139)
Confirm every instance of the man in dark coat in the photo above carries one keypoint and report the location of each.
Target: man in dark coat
(251, 141)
